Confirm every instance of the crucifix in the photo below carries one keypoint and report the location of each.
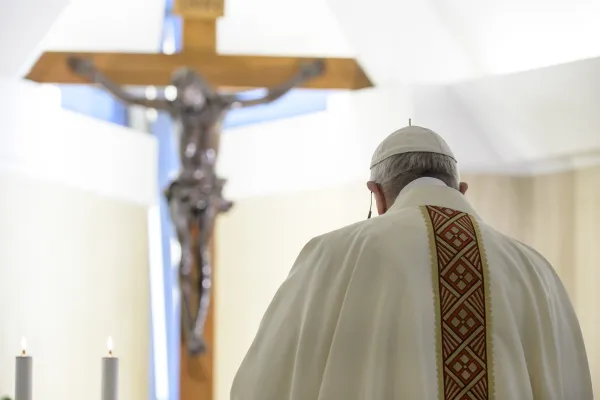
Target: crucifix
(195, 196)
(198, 108)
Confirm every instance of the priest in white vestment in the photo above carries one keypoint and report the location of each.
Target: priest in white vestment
(424, 302)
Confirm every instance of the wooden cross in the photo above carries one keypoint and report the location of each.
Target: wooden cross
(199, 52)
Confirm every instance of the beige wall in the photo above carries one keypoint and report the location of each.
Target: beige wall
(73, 270)
(259, 239)
(585, 238)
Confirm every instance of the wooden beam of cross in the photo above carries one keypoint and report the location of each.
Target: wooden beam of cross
(199, 53)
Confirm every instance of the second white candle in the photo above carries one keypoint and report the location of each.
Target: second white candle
(110, 374)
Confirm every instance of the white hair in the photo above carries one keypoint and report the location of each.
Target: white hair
(395, 172)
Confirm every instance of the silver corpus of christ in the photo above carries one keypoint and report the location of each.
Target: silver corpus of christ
(195, 196)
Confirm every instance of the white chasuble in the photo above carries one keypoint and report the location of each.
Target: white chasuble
(425, 302)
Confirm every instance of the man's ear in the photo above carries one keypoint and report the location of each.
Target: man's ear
(463, 187)
(380, 201)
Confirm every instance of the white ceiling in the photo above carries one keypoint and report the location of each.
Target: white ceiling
(432, 41)
(516, 35)
(107, 25)
(281, 27)
(537, 114)
(519, 77)
(21, 31)
(250, 27)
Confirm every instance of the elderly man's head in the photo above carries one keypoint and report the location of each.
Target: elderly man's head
(406, 155)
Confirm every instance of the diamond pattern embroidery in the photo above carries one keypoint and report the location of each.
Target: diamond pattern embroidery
(460, 276)
(465, 363)
(465, 367)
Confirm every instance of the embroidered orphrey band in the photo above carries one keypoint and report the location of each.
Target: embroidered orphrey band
(464, 359)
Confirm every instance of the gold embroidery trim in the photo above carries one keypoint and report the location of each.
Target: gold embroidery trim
(463, 320)
(439, 364)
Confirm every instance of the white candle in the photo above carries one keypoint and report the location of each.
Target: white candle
(110, 374)
(24, 366)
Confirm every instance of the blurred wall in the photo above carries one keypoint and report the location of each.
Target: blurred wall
(74, 263)
(73, 270)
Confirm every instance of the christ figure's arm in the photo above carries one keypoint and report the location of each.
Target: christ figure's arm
(86, 69)
(306, 73)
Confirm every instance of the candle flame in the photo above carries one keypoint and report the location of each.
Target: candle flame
(109, 344)
(23, 346)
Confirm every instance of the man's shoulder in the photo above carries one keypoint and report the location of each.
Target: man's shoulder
(503, 239)
(522, 252)
(359, 240)
(361, 231)
(537, 258)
